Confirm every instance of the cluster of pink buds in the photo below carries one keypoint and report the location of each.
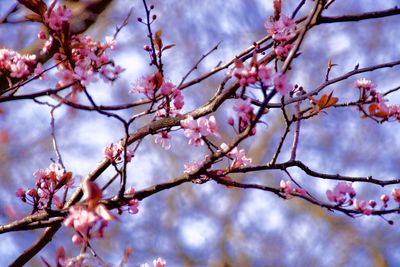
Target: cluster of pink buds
(238, 156)
(114, 152)
(290, 190)
(343, 193)
(256, 73)
(281, 31)
(84, 218)
(156, 263)
(57, 17)
(378, 107)
(48, 183)
(15, 65)
(196, 130)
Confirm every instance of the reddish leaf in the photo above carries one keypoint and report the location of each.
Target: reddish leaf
(327, 101)
(168, 47)
(157, 40)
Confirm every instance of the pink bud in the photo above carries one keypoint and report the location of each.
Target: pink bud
(384, 198)
(231, 122)
(372, 203)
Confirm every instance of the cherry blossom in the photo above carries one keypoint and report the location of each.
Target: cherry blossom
(364, 84)
(243, 108)
(164, 139)
(281, 30)
(289, 190)
(56, 17)
(159, 262)
(342, 193)
(361, 205)
(193, 166)
(396, 195)
(114, 152)
(239, 157)
(195, 130)
(281, 84)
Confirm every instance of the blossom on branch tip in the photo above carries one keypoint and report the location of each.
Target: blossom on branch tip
(281, 84)
(114, 152)
(195, 130)
(164, 139)
(342, 193)
(56, 17)
(244, 109)
(361, 205)
(364, 84)
(396, 195)
(281, 30)
(289, 190)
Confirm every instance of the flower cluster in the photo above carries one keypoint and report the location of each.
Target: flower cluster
(253, 73)
(164, 139)
(114, 152)
(238, 156)
(378, 107)
(83, 218)
(85, 60)
(48, 183)
(289, 190)
(196, 130)
(15, 65)
(281, 31)
(156, 263)
(56, 18)
(133, 204)
(343, 193)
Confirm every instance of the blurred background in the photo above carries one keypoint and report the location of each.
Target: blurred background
(209, 224)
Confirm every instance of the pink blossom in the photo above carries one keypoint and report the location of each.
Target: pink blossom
(281, 84)
(47, 46)
(39, 71)
(159, 262)
(281, 30)
(265, 75)
(164, 139)
(111, 42)
(84, 76)
(243, 108)
(148, 85)
(396, 195)
(364, 84)
(289, 190)
(133, 206)
(114, 152)
(361, 205)
(282, 51)
(41, 35)
(56, 17)
(166, 88)
(81, 218)
(195, 130)
(342, 193)
(178, 99)
(20, 193)
(239, 157)
(19, 69)
(65, 76)
(193, 166)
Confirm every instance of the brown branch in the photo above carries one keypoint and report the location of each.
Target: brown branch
(363, 16)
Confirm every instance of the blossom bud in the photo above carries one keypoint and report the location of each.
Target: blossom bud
(154, 17)
(231, 122)
(139, 19)
(384, 198)
(372, 203)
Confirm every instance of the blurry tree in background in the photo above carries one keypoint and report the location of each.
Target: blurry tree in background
(199, 133)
